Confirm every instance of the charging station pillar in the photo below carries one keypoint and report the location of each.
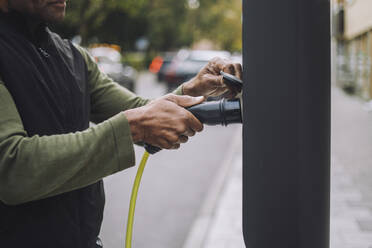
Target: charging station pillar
(286, 163)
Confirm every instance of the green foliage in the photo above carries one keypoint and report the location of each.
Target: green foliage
(165, 21)
(135, 59)
(167, 24)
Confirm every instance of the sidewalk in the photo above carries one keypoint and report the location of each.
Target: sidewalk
(219, 224)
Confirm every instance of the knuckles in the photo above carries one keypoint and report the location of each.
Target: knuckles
(165, 144)
(200, 128)
(181, 129)
(173, 139)
(176, 146)
(183, 139)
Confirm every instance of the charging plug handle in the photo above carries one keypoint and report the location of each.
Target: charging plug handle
(223, 112)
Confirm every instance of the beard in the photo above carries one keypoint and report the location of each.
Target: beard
(43, 10)
(4, 5)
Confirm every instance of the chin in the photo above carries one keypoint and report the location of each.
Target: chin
(59, 18)
(53, 15)
(54, 18)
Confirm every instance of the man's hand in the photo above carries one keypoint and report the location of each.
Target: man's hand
(165, 122)
(209, 82)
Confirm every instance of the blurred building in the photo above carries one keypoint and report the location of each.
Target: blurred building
(352, 32)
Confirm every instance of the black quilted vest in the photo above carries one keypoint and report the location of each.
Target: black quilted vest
(47, 78)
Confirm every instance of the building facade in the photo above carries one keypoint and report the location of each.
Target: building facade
(352, 29)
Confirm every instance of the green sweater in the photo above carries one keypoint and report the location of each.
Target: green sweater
(38, 167)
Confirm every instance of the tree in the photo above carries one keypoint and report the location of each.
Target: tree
(219, 21)
(86, 17)
(167, 24)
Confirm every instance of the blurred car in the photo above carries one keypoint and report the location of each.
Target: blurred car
(187, 63)
(160, 65)
(167, 61)
(237, 58)
(109, 59)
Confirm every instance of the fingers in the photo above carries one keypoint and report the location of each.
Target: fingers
(171, 138)
(216, 84)
(175, 147)
(229, 68)
(209, 82)
(167, 124)
(185, 101)
(183, 139)
(238, 70)
(217, 80)
(193, 123)
(189, 133)
(188, 101)
(218, 64)
(214, 80)
(166, 144)
(234, 69)
(172, 144)
(231, 94)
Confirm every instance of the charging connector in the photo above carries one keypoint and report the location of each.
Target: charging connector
(223, 112)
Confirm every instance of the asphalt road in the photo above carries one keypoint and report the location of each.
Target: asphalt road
(173, 187)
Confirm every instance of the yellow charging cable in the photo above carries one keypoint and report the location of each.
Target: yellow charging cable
(133, 199)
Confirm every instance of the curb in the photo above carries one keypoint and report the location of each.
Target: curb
(201, 226)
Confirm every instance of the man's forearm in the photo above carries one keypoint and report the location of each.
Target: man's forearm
(37, 167)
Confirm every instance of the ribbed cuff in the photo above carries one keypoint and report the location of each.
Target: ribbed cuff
(123, 141)
(179, 90)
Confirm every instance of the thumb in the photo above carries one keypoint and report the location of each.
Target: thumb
(186, 101)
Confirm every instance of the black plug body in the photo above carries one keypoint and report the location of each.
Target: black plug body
(223, 112)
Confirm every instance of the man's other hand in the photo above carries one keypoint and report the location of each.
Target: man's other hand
(165, 122)
(209, 82)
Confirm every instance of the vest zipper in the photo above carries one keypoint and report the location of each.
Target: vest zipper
(43, 52)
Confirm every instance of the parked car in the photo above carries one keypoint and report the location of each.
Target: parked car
(167, 61)
(109, 61)
(237, 58)
(187, 63)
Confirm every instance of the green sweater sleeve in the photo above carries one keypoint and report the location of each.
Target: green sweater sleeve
(37, 167)
(107, 97)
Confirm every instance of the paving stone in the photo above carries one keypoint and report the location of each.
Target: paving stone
(365, 225)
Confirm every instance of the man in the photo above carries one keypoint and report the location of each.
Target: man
(51, 162)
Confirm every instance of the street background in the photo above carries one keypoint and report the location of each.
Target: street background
(351, 222)
(191, 198)
(151, 47)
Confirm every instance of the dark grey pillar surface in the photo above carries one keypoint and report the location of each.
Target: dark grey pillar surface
(286, 164)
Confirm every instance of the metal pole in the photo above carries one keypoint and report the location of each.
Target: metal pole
(286, 123)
